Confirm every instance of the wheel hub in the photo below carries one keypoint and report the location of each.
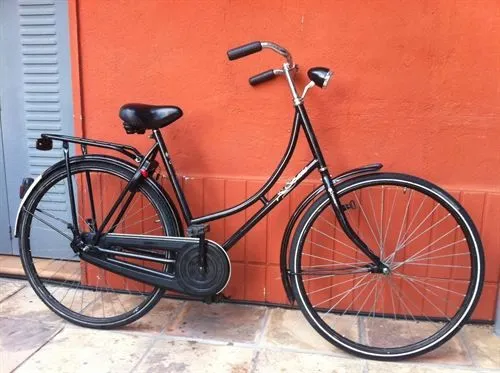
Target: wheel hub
(381, 268)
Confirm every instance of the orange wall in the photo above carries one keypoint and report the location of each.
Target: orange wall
(416, 88)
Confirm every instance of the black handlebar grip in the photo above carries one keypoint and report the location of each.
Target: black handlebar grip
(244, 50)
(262, 77)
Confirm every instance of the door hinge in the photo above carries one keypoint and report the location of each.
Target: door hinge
(10, 233)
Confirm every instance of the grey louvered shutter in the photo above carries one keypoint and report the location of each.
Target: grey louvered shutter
(46, 76)
(38, 93)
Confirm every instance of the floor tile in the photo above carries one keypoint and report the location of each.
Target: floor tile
(11, 265)
(290, 329)
(389, 333)
(109, 304)
(58, 269)
(270, 361)
(26, 304)
(85, 350)
(18, 341)
(410, 367)
(452, 352)
(483, 344)
(183, 356)
(162, 316)
(9, 287)
(220, 321)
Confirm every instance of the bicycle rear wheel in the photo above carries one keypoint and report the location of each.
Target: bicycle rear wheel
(74, 289)
(428, 242)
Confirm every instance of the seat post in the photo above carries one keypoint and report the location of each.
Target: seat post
(173, 177)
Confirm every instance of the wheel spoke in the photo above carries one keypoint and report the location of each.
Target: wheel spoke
(411, 221)
(404, 217)
(416, 279)
(379, 240)
(356, 297)
(333, 238)
(388, 224)
(333, 251)
(366, 218)
(331, 261)
(329, 287)
(426, 298)
(49, 225)
(433, 242)
(406, 242)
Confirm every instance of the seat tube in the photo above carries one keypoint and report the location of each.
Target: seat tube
(173, 177)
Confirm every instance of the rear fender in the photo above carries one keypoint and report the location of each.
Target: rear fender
(103, 158)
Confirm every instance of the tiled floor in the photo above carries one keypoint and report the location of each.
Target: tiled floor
(181, 336)
(11, 265)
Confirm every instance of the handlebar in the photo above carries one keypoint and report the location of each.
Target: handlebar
(263, 77)
(257, 46)
(244, 50)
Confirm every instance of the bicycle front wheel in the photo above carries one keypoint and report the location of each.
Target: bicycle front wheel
(432, 251)
(74, 289)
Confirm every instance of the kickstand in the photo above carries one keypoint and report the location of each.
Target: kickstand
(215, 298)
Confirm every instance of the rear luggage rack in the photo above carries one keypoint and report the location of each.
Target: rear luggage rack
(45, 143)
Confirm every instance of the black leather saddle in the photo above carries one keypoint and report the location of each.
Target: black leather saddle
(137, 118)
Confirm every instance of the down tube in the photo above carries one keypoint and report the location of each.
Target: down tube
(278, 197)
(266, 187)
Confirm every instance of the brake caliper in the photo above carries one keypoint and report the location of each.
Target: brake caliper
(351, 205)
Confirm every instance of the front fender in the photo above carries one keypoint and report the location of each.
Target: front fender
(96, 157)
(311, 197)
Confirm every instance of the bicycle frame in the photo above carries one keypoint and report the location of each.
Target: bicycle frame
(301, 120)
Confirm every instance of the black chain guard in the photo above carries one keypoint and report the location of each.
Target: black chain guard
(196, 281)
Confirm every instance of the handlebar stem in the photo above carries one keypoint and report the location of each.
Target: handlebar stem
(293, 90)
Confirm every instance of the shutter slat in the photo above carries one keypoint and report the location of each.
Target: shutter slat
(33, 30)
(45, 69)
(38, 98)
(31, 60)
(42, 50)
(37, 11)
(25, 3)
(38, 21)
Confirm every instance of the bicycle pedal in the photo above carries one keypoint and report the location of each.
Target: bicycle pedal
(197, 230)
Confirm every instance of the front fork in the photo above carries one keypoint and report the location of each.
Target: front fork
(346, 226)
(378, 266)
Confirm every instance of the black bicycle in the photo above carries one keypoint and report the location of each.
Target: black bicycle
(391, 253)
